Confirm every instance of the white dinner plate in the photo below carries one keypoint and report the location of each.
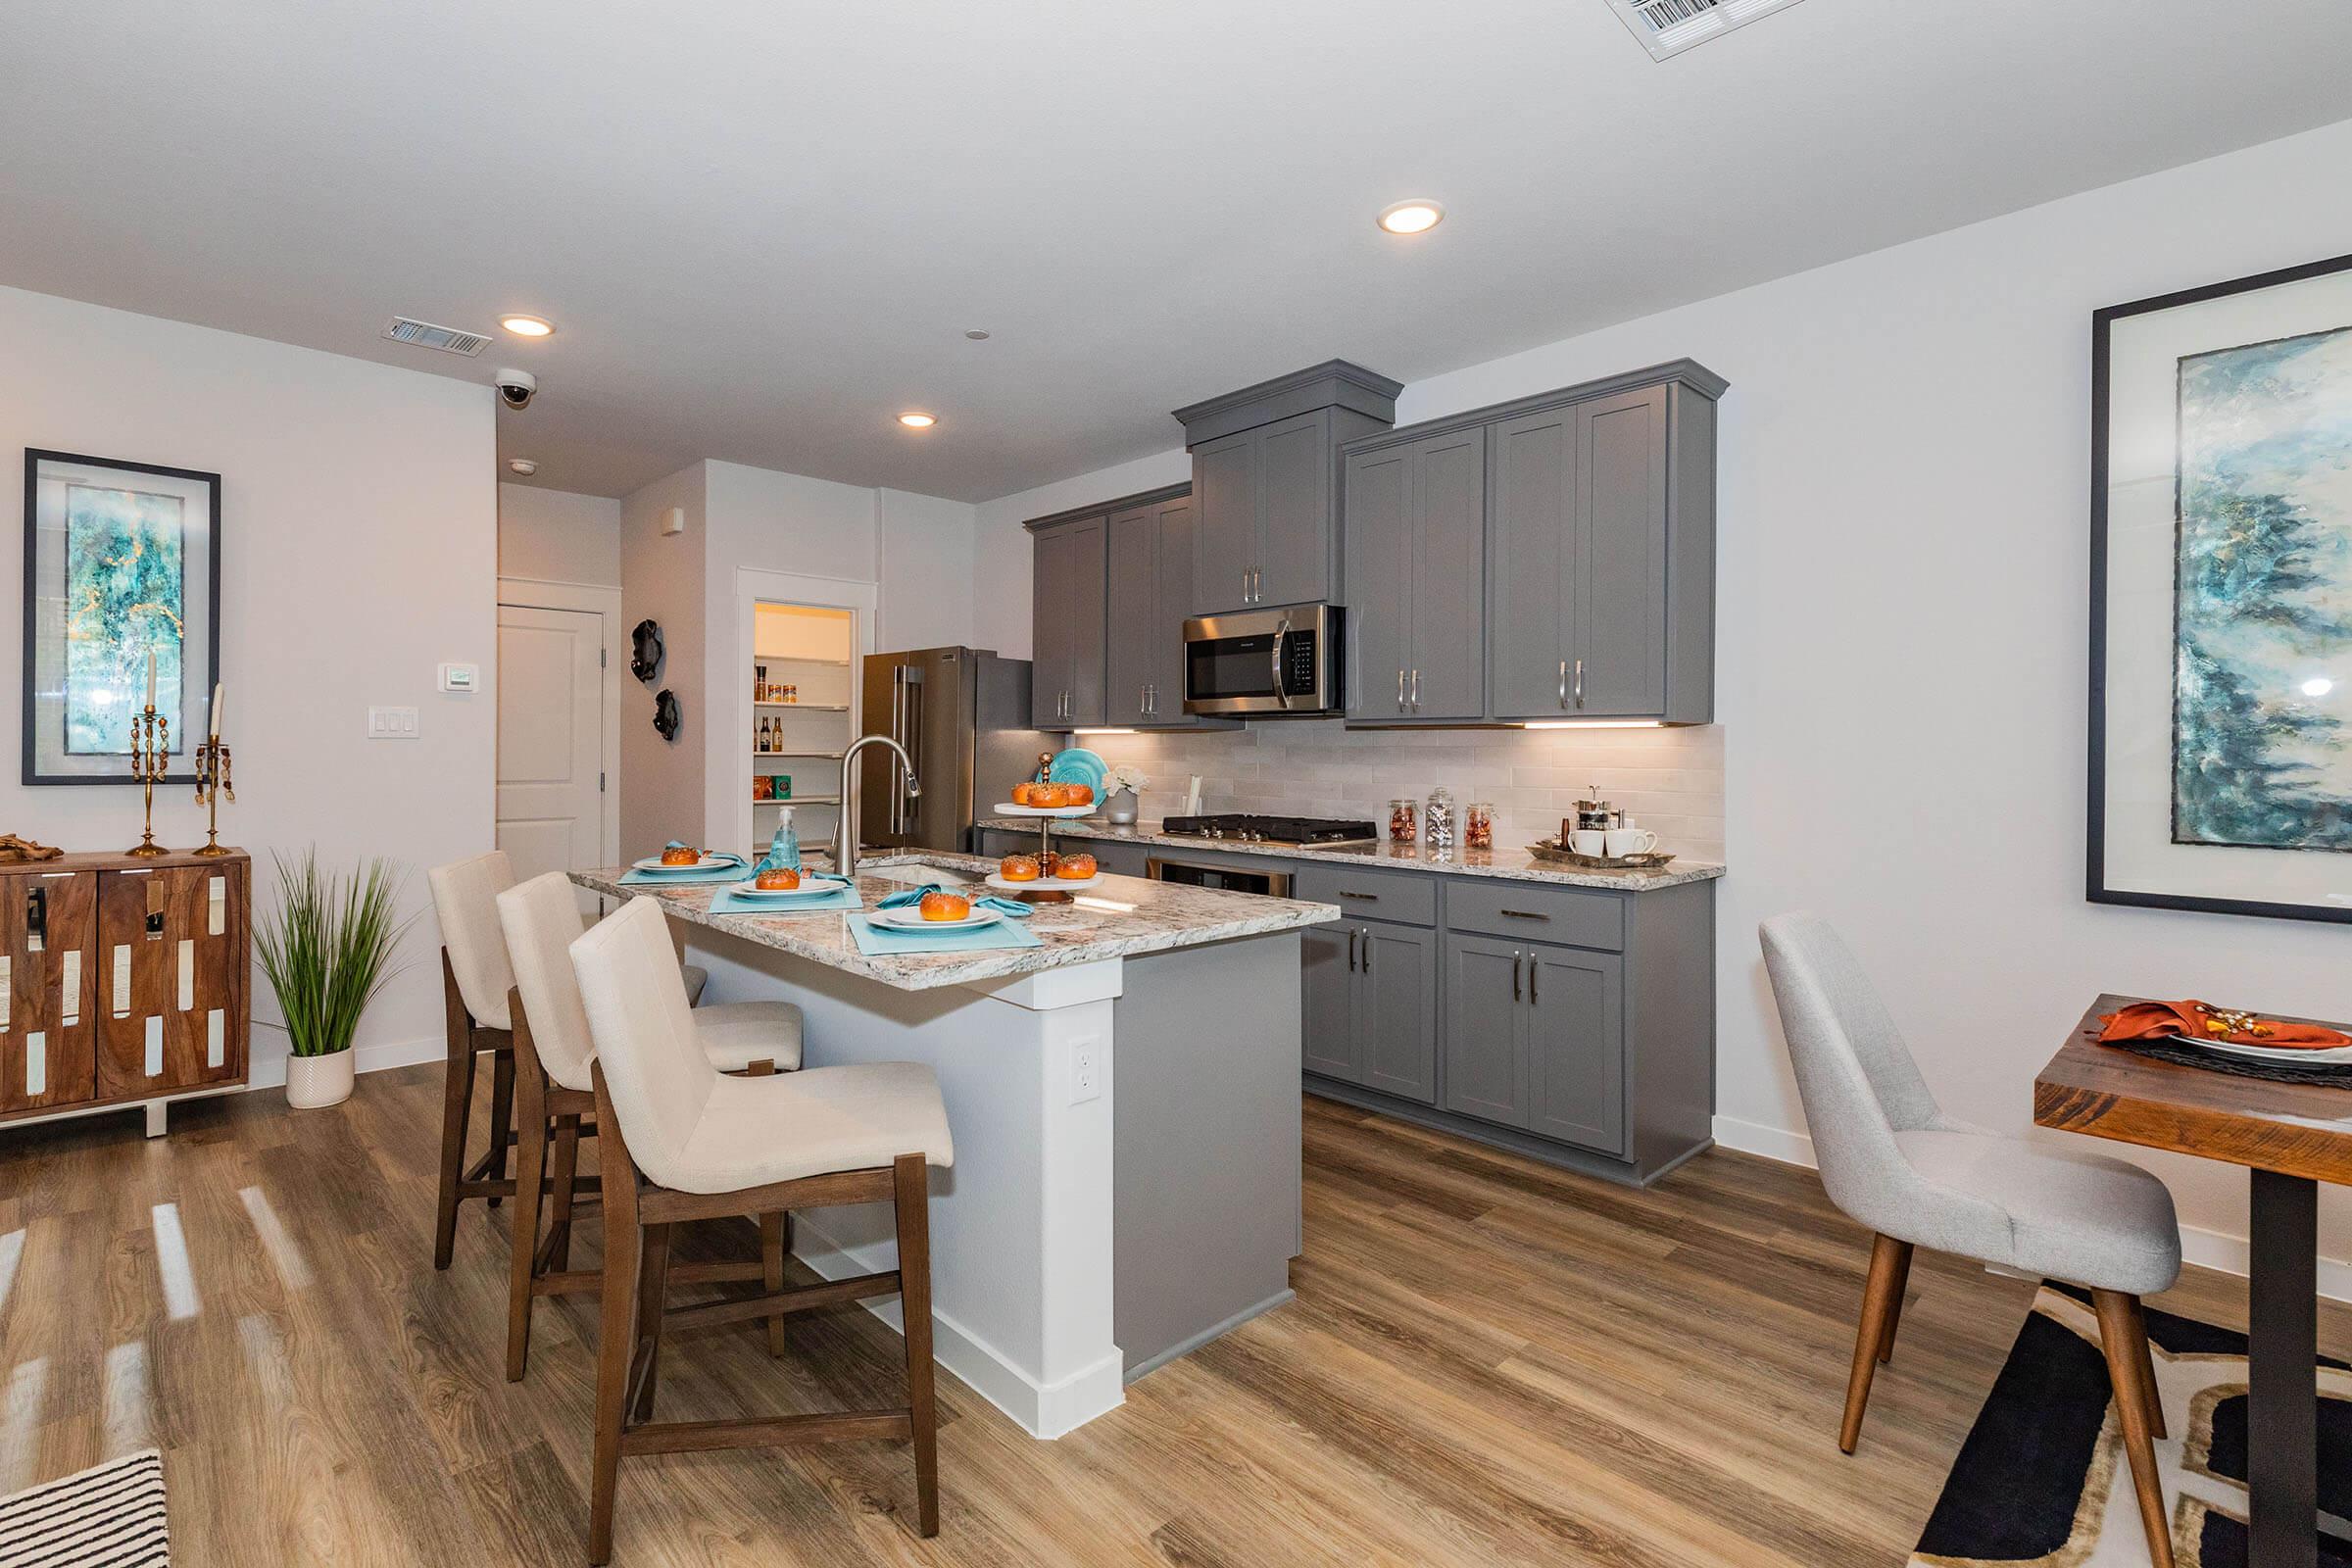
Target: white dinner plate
(995, 879)
(813, 885)
(2275, 1056)
(910, 918)
(708, 862)
(1008, 809)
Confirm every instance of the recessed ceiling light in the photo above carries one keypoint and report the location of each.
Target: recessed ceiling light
(1414, 217)
(976, 335)
(523, 465)
(526, 325)
(913, 420)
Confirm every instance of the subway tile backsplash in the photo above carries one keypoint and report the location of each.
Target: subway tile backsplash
(1668, 781)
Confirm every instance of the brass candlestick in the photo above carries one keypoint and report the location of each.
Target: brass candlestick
(214, 777)
(150, 759)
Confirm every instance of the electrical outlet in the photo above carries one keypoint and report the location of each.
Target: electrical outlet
(1086, 1070)
(391, 724)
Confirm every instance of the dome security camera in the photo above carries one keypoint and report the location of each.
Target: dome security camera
(516, 388)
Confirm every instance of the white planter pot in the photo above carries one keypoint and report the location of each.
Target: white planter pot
(314, 1083)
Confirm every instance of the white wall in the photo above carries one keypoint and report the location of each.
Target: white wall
(359, 550)
(662, 579)
(556, 536)
(1901, 670)
(1001, 557)
(923, 560)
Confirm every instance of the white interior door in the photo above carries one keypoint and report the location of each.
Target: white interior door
(550, 738)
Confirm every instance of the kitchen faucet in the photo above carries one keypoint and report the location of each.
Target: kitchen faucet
(845, 831)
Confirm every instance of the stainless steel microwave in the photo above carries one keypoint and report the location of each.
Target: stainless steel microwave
(1282, 658)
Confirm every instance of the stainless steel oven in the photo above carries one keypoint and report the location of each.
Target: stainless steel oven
(1225, 878)
(1286, 658)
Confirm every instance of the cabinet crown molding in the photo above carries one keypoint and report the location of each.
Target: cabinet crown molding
(1338, 383)
(1689, 373)
(1104, 509)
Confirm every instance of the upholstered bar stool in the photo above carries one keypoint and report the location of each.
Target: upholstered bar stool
(1893, 1161)
(681, 1141)
(476, 979)
(540, 920)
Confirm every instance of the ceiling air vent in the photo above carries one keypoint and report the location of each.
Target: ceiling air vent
(425, 335)
(1667, 27)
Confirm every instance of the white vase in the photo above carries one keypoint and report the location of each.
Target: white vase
(314, 1083)
(1120, 808)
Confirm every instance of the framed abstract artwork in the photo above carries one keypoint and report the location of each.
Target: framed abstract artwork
(121, 561)
(2220, 598)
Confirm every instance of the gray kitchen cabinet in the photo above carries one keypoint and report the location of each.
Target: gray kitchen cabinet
(1266, 484)
(1396, 1011)
(1486, 1048)
(1068, 578)
(1575, 1027)
(1328, 1040)
(1621, 569)
(1531, 531)
(1151, 553)
(1416, 573)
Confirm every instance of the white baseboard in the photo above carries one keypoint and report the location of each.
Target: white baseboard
(2206, 1248)
(1044, 1410)
(271, 1073)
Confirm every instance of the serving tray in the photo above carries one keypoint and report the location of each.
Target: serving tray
(1548, 849)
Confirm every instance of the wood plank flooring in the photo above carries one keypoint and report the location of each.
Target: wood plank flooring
(1490, 1361)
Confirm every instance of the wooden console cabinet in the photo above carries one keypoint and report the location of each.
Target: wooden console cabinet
(123, 981)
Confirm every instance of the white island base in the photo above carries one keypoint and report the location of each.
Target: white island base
(1126, 1182)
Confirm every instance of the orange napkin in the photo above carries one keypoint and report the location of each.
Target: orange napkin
(2197, 1021)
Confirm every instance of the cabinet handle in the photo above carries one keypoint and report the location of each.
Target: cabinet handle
(1351, 936)
(1245, 585)
(1257, 585)
(1367, 952)
(1533, 969)
(1514, 977)
(1524, 915)
(1363, 897)
(1416, 691)
(1401, 688)
(1563, 683)
(1580, 683)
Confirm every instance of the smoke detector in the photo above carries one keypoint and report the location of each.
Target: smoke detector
(425, 335)
(525, 466)
(1667, 27)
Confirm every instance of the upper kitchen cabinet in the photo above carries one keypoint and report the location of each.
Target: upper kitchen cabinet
(1592, 514)
(1266, 484)
(1068, 625)
(1151, 554)
(1416, 578)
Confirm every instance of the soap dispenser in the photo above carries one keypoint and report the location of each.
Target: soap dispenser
(784, 848)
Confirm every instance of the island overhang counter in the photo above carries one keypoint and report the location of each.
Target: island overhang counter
(1124, 1101)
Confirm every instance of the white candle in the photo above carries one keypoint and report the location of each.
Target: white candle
(150, 677)
(219, 693)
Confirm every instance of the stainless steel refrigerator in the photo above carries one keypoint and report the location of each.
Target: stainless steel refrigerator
(963, 715)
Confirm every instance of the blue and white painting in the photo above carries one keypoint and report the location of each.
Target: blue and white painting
(2261, 682)
(125, 581)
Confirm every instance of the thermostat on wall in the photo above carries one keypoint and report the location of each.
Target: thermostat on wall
(461, 677)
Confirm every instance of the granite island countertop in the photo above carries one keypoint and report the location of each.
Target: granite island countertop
(1511, 864)
(1118, 917)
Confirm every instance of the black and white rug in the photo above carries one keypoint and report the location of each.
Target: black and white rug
(110, 1515)
(2042, 1477)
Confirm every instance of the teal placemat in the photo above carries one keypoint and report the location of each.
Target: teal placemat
(727, 901)
(877, 942)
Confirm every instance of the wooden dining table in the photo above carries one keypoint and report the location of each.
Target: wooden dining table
(2290, 1137)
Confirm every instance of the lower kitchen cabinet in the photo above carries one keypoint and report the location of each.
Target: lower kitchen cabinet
(1535, 1039)
(1369, 999)
(1486, 1056)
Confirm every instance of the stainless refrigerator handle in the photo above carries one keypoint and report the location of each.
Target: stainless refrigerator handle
(897, 732)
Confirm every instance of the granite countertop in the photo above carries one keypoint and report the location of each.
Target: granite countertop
(1118, 917)
(1512, 864)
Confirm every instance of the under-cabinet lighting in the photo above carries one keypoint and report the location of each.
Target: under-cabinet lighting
(1102, 732)
(1595, 724)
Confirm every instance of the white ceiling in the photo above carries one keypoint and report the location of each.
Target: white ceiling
(762, 228)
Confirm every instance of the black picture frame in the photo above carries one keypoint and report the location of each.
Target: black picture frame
(2102, 322)
(30, 771)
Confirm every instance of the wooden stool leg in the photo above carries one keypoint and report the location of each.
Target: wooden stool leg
(502, 1116)
(567, 1166)
(911, 1186)
(653, 1283)
(617, 1331)
(772, 1273)
(2151, 1399)
(457, 1100)
(1886, 1259)
(2119, 1322)
(1894, 1308)
(530, 1164)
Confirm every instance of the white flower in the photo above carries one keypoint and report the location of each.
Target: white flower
(1127, 776)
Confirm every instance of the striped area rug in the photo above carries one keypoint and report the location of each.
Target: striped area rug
(108, 1516)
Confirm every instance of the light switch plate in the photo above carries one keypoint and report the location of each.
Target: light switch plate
(391, 724)
(461, 677)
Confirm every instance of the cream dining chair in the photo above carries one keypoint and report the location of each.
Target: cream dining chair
(1893, 1161)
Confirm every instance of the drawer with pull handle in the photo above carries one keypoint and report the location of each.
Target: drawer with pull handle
(1401, 895)
(1533, 913)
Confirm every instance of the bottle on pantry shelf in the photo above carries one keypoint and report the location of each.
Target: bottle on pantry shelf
(767, 736)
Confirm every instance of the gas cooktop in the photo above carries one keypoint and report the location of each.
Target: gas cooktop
(1291, 831)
